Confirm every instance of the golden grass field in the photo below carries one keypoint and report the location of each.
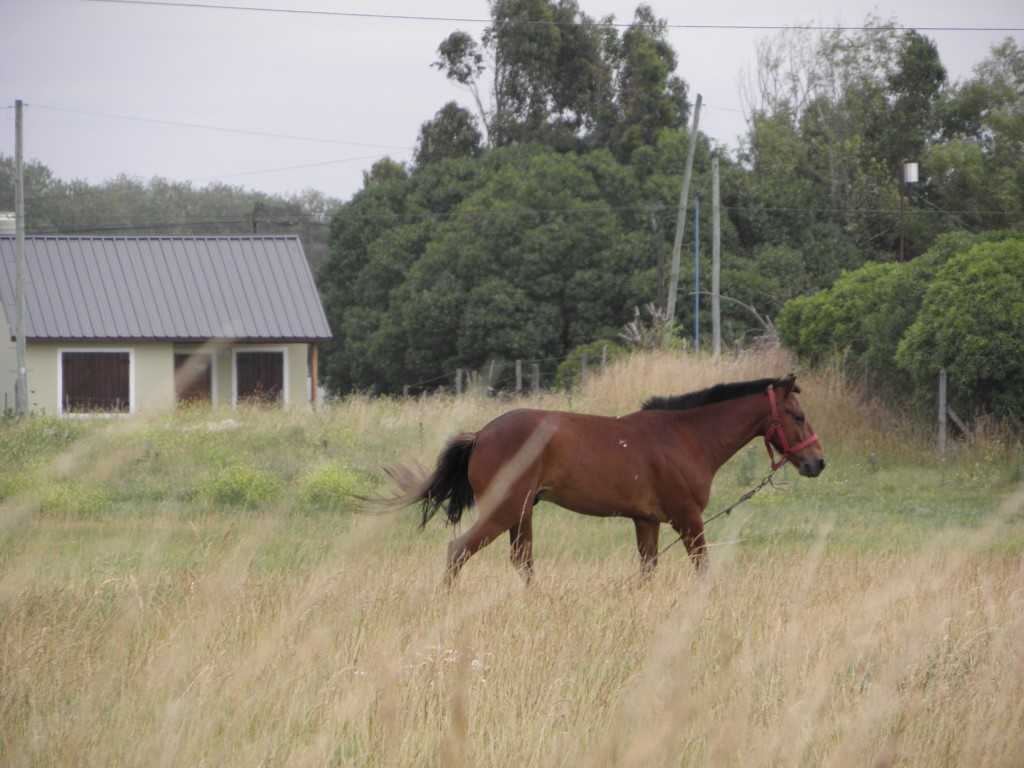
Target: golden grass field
(193, 590)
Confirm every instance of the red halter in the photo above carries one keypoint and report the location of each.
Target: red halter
(777, 427)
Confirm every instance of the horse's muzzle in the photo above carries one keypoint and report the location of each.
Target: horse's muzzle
(812, 467)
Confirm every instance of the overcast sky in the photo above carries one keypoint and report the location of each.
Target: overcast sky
(308, 94)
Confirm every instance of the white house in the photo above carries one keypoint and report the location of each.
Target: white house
(122, 324)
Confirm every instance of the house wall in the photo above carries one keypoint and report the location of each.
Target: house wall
(152, 372)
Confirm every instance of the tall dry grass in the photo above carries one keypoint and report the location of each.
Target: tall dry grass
(158, 628)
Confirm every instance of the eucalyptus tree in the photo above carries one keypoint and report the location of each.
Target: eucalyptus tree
(545, 72)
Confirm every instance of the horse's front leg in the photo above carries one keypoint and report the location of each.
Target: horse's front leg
(647, 543)
(696, 546)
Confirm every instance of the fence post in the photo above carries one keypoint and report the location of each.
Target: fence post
(942, 413)
(458, 381)
(535, 379)
(583, 370)
(519, 377)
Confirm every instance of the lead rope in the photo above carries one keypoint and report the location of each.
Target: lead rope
(745, 497)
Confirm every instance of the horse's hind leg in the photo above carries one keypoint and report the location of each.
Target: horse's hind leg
(521, 539)
(647, 543)
(510, 516)
(483, 532)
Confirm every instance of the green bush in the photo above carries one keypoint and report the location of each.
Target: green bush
(972, 323)
(959, 306)
(328, 486)
(242, 486)
(866, 312)
(75, 499)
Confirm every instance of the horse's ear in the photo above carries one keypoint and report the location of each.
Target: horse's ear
(790, 384)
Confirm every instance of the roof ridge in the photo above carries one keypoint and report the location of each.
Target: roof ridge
(155, 237)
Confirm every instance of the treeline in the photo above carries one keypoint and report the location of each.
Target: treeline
(128, 206)
(536, 222)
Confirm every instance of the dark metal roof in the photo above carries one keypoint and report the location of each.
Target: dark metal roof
(179, 288)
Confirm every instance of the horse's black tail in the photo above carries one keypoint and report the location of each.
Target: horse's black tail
(449, 486)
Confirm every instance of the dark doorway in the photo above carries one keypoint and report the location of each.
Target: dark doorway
(260, 376)
(95, 382)
(193, 377)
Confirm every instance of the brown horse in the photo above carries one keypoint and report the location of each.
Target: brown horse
(653, 466)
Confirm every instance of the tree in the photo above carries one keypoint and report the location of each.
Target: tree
(385, 171)
(913, 89)
(649, 97)
(372, 212)
(978, 163)
(535, 82)
(519, 257)
(561, 78)
(864, 315)
(832, 118)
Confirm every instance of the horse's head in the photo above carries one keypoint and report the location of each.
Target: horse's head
(791, 433)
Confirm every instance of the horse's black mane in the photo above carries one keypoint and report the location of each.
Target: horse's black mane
(716, 394)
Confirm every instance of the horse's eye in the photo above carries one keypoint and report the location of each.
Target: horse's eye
(798, 418)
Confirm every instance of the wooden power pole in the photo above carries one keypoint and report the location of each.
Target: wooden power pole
(21, 384)
(677, 245)
(716, 262)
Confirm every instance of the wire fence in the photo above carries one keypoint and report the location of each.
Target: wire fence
(499, 376)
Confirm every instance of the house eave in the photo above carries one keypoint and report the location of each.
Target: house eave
(220, 342)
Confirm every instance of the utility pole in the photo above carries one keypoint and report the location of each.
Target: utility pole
(696, 274)
(21, 384)
(908, 175)
(903, 173)
(677, 245)
(655, 212)
(716, 262)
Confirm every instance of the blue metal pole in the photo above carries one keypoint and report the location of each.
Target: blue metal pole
(696, 281)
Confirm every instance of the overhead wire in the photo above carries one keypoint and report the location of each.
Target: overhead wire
(223, 129)
(480, 20)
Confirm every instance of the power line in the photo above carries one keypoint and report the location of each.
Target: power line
(246, 222)
(472, 20)
(288, 168)
(299, 11)
(199, 126)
